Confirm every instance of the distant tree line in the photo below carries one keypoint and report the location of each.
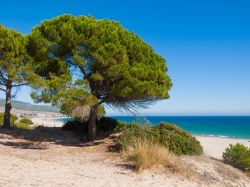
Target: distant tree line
(81, 64)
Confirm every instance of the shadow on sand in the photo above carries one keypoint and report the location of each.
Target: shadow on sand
(39, 137)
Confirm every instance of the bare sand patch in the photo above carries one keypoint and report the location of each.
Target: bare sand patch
(73, 163)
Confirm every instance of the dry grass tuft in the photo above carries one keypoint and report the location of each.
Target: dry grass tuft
(147, 155)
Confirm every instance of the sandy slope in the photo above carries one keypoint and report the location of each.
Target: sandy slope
(73, 166)
(51, 157)
(55, 162)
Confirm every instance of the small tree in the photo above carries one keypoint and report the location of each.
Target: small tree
(14, 66)
(112, 65)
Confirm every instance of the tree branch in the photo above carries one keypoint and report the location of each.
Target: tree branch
(17, 85)
(2, 83)
(83, 72)
(2, 78)
(1, 89)
(101, 101)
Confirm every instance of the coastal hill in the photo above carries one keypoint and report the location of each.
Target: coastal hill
(27, 106)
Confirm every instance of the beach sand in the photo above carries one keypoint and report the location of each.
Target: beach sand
(215, 146)
(49, 121)
(52, 157)
(56, 162)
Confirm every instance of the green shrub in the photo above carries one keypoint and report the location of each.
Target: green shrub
(105, 124)
(26, 121)
(22, 126)
(13, 119)
(129, 135)
(178, 140)
(108, 124)
(73, 126)
(169, 135)
(238, 156)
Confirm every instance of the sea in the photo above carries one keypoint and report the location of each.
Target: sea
(219, 126)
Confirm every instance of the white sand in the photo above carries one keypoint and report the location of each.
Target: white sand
(94, 166)
(63, 165)
(84, 166)
(215, 146)
(47, 121)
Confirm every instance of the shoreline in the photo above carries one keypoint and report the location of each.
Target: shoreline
(221, 136)
(213, 146)
(193, 134)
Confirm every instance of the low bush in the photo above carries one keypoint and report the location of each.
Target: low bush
(105, 124)
(13, 119)
(26, 121)
(23, 126)
(178, 140)
(168, 135)
(129, 135)
(111, 125)
(172, 137)
(74, 126)
(238, 156)
(147, 155)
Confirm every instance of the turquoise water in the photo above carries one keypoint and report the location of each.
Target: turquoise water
(223, 126)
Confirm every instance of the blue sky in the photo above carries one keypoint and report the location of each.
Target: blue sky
(206, 44)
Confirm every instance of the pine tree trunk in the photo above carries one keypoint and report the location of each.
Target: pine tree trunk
(6, 123)
(92, 124)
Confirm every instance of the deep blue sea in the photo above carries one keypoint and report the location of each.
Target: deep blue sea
(222, 126)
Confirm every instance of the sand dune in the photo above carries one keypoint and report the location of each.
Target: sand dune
(52, 157)
(54, 163)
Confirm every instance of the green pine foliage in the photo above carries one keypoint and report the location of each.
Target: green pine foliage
(112, 66)
(238, 156)
(14, 59)
(16, 67)
(116, 64)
